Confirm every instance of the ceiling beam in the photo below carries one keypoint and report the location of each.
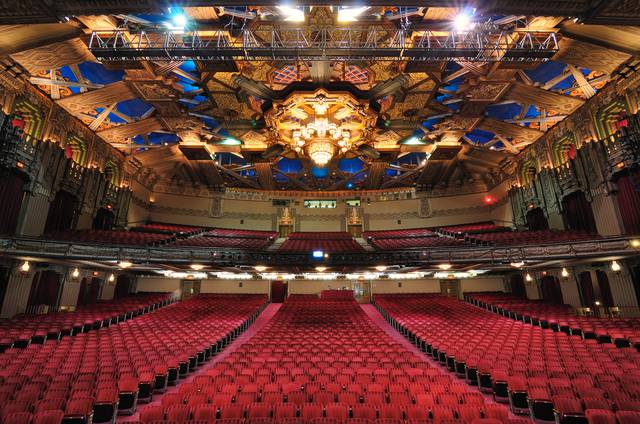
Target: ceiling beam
(101, 117)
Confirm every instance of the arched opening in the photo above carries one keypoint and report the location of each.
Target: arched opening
(577, 213)
(551, 290)
(517, 286)
(104, 219)
(76, 149)
(628, 198)
(112, 172)
(28, 117)
(123, 286)
(536, 220)
(62, 212)
(606, 297)
(587, 294)
(11, 197)
(44, 290)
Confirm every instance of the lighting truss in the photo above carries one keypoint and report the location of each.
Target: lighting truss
(324, 43)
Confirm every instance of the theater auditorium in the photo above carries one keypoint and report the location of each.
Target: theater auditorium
(320, 211)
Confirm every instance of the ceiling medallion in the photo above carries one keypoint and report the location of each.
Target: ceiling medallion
(321, 125)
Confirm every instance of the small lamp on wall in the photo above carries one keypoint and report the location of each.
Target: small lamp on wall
(564, 273)
(25, 267)
(75, 274)
(112, 278)
(528, 278)
(615, 266)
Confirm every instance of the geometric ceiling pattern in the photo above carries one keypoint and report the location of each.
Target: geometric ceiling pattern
(449, 125)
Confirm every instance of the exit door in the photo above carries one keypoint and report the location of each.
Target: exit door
(189, 288)
(450, 288)
(362, 291)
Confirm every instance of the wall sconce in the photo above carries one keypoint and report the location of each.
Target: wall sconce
(528, 278)
(564, 273)
(112, 278)
(615, 266)
(25, 267)
(75, 274)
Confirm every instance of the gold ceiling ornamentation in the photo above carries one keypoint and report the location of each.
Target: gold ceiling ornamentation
(322, 124)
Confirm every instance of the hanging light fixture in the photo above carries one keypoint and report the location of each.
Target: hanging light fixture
(564, 273)
(321, 268)
(444, 266)
(25, 267)
(615, 266)
(197, 267)
(517, 264)
(320, 150)
(381, 268)
(260, 268)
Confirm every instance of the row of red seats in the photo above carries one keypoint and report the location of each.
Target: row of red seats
(532, 237)
(111, 237)
(320, 235)
(337, 295)
(22, 330)
(168, 228)
(535, 370)
(324, 360)
(328, 246)
(99, 374)
(225, 232)
(413, 232)
(415, 243)
(483, 227)
(225, 242)
(621, 331)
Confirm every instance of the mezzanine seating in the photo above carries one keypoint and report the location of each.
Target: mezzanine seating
(328, 242)
(623, 332)
(538, 371)
(230, 238)
(482, 227)
(412, 232)
(93, 376)
(323, 361)
(22, 330)
(168, 229)
(131, 238)
(531, 237)
(414, 243)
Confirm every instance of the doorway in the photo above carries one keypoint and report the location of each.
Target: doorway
(189, 288)
(450, 288)
(279, 291)
(362, 291)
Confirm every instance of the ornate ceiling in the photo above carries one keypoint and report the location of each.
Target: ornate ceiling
(446, 126)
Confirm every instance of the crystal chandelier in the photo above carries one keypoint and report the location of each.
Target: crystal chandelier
(320, 150)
